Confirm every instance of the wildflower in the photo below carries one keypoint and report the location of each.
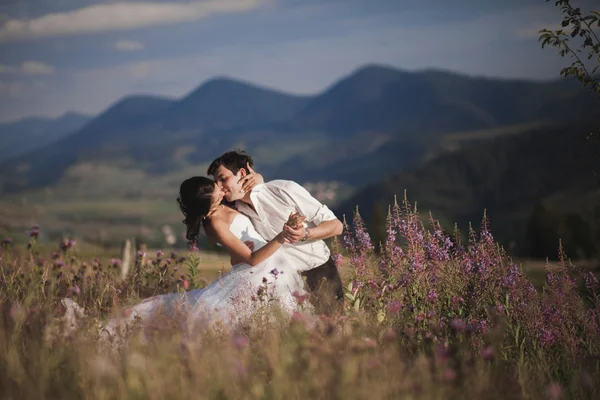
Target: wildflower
(300, 318)
(432, 295)
(300, 298)
(159, 253)
(369, 342)
(34, 231)
(458, 325)
(7, 241)
(449, 374)
(115, 262)
(546, 336)
(240, 341)
(499, 309)
(75, 290)
(441, 352)
(67, 244)
(389, 335)
(274, 272)
(591, 282)
(337, 259)
(193, 244)
(488, 353)
(554, 391)
(16, 311)
(477, 326)
(186, 284)
(394, 307)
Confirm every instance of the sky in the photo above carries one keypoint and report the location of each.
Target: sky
(59, 56)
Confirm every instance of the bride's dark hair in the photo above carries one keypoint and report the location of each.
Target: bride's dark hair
(195, 201)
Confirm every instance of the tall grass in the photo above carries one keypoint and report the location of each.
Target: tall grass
(425, 316)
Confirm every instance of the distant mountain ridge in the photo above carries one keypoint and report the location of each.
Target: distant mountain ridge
(377, 117)
(27, 134)
(506, 176)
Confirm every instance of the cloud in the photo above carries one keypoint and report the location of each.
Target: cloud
(7, 69)
(12, 90)
(118, 17)
(36, 68)
(128, 45)
(28, 68)
(139, 70)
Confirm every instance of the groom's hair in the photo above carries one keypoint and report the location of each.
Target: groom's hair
(232, 160)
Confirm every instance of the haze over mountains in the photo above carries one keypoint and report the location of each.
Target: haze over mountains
(23, 136)
(375, 117)
(372, 123)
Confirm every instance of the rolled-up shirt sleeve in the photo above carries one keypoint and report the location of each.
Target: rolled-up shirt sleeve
(314, 211)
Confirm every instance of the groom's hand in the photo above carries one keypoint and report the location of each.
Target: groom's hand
(293, 235)
(250, 244)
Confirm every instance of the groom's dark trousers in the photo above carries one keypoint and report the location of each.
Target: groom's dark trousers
(325, 284)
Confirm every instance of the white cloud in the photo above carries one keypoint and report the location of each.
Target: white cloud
(128, 45)
(118, 16)
(36, 68)
(139, 70)
(12, 90)
(28, 68)
(7, 69)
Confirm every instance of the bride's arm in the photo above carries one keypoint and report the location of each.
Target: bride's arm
(251, 179)
(237, 249)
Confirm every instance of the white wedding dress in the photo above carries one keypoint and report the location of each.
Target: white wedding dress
(231, 299)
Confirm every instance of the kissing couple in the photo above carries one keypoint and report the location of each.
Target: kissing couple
(274, 233)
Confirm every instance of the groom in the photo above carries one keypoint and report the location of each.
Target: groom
(268, 205)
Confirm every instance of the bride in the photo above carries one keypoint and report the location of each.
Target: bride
(257, 278)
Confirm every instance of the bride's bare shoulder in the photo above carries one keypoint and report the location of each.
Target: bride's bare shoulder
(221, 221)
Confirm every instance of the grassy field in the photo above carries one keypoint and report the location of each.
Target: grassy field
(421, 320)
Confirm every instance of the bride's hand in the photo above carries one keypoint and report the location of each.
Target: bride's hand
(251, 180)
(295, 219)
(250, 244)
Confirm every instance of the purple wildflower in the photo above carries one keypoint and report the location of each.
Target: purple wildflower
(115, 262)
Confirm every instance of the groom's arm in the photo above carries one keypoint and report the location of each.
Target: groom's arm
(326, 223)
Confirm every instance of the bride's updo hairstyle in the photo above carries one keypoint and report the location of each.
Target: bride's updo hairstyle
(195, 201)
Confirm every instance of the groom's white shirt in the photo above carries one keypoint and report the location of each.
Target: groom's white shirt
(274, 201)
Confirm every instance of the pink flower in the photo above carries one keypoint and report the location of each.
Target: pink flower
(554, 391)
(449, 374)
(488, 353)
(394, 307)
(240, 341)
(300, 298)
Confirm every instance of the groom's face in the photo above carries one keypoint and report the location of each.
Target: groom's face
(229, 183)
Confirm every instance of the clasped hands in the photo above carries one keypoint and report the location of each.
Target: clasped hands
(293, 230)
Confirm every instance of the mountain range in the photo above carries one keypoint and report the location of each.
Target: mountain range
(377, 117)
(507, 178)
(23, 136)
(359, 132)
